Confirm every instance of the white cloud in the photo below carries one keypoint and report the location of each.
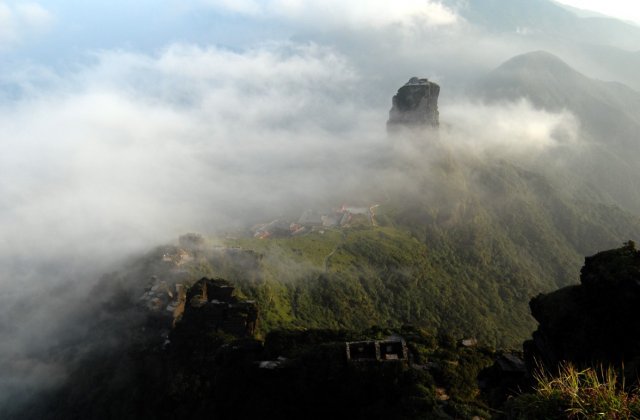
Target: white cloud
(135, 149)
(34, 16)
(329, 13)
(621, 9)
(249, 7)
(507, 130)
(141, 148)
(7, 23)
(20, 20)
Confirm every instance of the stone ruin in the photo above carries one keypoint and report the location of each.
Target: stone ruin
(415, 106)
(391, 349)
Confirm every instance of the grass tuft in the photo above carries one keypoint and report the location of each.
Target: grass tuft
(592, 393)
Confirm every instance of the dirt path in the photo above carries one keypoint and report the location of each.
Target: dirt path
(372, 214)
(335, 249)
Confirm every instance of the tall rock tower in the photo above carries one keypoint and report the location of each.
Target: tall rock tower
(415, 105)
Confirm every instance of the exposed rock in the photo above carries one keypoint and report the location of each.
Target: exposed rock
(272, 364)
(212, 307)
(441, 394)
(468, 342)
(164, 303)
(415, 105)
(596, 322)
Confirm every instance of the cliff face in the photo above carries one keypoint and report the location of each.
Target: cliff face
(595, 322)
(415, 105)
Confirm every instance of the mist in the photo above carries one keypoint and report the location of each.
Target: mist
(136, 149)
(123, 148)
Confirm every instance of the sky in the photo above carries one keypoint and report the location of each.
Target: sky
(622, 9)
(61, 33)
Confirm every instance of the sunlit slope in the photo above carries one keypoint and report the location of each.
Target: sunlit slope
(467, 263)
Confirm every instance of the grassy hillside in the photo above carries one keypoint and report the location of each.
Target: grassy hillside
(466, 260)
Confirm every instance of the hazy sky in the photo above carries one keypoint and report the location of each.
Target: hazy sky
(60, 32)
(622, 9)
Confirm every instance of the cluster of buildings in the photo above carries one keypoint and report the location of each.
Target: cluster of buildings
(313, 221)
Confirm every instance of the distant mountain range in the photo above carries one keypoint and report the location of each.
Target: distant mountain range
(549, 19)
(608, 48)
(608, 140)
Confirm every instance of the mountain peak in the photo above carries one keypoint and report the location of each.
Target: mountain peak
(415, 105)
(545, 79)
(538, 61)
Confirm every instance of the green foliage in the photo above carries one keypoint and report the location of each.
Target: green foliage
(463, 250)
(374, 275)
(466, 256)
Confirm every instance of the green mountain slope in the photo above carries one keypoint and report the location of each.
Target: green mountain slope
(464, 260)
(460, 243)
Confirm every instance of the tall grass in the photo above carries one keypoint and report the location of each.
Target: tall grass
(577, 394)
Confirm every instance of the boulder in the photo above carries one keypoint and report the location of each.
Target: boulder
(595, 322)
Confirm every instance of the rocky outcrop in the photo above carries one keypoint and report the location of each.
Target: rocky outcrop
(596, 322)
(212, 307)
(164, 303)
(415, 106)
